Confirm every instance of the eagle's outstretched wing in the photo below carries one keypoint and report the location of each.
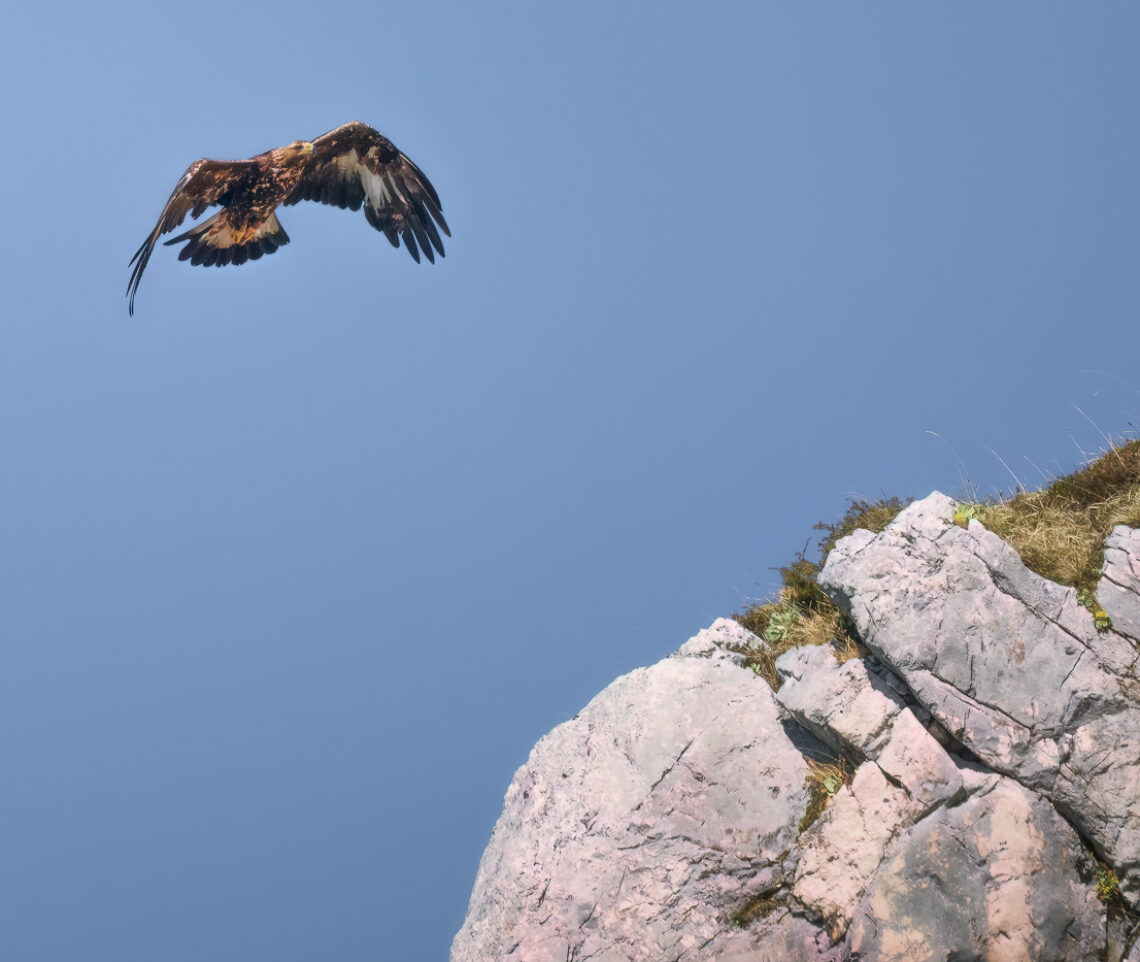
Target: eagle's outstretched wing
(355, 165)
(205, 183)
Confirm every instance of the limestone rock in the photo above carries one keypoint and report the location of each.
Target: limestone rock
(637, 829)
(1134, 955)
(992, 735)
(926, 857)
(1119, 587)
(859, 713)
(1001, 877)
(1008, 662)
(843, 705)
(914, 760)
(841, 851)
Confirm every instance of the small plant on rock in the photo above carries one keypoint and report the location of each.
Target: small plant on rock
(1100, 616)
(1108, 886)
(780, 621)
(824, 779)
(964, 512)
(803, 614)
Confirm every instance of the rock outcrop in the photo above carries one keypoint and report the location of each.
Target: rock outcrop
(636, 829)
(990, 741)
(1009, 663)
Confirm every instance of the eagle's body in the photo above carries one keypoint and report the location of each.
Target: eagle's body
(347, 167)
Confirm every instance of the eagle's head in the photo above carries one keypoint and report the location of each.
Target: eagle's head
(295, 153)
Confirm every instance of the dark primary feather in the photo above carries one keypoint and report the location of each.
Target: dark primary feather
(353, 159)
(205, 183)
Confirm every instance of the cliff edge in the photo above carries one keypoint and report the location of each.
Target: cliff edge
(966, 787)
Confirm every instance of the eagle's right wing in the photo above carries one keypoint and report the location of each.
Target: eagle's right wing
(205, 183)
(355, 165)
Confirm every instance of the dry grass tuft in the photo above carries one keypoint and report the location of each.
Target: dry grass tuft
(871, 516)
(783, 625)
(758, 907)
(802, 614)
(824, 779)
(1059, 531)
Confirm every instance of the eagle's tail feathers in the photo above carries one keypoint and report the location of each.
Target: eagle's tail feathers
(216, 242)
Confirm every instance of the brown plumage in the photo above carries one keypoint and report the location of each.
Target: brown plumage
(351, 166)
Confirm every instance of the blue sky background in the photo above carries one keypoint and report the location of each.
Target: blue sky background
(298, 563)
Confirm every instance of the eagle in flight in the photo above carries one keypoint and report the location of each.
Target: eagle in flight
(351, 166)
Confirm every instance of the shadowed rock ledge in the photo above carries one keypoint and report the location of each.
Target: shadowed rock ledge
(990, 744)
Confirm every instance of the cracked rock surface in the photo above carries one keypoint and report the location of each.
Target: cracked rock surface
(1010, 664)
(991, 742)
(999, 877)
(638, 828)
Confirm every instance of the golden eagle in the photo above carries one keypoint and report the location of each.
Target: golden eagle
(347, 167)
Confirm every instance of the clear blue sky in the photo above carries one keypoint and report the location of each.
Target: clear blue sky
(298, 563)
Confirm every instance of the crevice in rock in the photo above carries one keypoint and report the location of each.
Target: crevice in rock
(952, 689)
(665, 774)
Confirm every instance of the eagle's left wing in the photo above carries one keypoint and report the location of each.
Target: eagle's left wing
(355, 165)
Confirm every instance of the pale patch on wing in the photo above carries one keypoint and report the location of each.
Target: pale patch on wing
(346, 162)
(374, 188)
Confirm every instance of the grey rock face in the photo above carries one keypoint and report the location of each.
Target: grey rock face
(923, 856)
(997, 878)
(843, 705)
(842, 851)
(638, 828)
(1119, 588)
(907, 774)
(1009, 663)
(861, 715)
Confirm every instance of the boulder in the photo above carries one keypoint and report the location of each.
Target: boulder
(641, 827)
(845, 706)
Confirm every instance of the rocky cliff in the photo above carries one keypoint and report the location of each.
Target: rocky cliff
(968, 788)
